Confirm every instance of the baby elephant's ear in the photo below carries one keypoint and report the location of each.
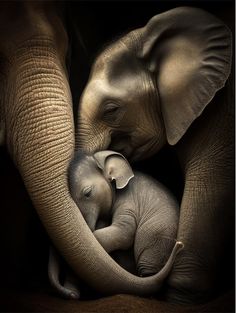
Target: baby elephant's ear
(115, 167)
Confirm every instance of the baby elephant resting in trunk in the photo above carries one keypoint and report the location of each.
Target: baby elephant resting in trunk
(144, 213)
(144, 216)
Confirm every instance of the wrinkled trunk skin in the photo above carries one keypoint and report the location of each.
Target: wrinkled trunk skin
(40, 139)
(40, 132)
(88, 138)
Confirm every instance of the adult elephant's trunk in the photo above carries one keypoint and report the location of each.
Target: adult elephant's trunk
(40, 139)
(40, 134)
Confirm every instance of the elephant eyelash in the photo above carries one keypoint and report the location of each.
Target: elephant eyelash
(110, 110)
(87, 191)
(112, 113)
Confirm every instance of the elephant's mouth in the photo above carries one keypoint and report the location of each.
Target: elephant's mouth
(144, 151)
(121, 142)
(126, 144)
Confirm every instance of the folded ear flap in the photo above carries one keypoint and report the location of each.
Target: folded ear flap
(189, 52)
(115, 167)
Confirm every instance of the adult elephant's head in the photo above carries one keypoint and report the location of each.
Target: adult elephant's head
(147, 88)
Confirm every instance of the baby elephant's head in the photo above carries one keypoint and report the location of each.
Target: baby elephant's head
(90, 178)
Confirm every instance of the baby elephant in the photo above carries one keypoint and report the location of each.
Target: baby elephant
(144, 213)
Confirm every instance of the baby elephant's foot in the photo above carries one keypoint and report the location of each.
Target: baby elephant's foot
(146, 268)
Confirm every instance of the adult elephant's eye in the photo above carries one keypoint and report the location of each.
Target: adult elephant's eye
(87, 192)
(112, 112)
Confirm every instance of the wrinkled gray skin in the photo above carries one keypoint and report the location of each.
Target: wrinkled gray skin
(36, 125)
(144, 215)
(144, 212)
(158, 85)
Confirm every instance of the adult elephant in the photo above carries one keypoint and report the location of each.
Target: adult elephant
(37, 127)
(157, 85)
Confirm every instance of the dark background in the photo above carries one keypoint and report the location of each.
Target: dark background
(91, 24)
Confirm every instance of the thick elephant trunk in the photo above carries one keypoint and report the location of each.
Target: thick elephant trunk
(40, 139)
(40, 134)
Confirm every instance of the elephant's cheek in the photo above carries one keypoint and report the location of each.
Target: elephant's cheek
(122, 143)
(146, 150)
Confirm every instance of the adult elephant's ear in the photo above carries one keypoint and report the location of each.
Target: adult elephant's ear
(115, 167)
(188, 51)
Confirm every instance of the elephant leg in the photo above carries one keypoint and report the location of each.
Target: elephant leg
(114, 238)
(205, 222)
(153, 244)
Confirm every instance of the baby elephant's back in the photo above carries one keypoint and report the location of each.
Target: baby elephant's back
(154, 199)
(158, 224)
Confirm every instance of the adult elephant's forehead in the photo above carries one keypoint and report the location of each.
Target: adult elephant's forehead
(115, 51)
(101, 90)
(115, 62)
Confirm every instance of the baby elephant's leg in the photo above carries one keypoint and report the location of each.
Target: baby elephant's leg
(118, 236)
(159, 241)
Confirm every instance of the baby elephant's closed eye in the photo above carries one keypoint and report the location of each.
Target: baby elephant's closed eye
(144, 213)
